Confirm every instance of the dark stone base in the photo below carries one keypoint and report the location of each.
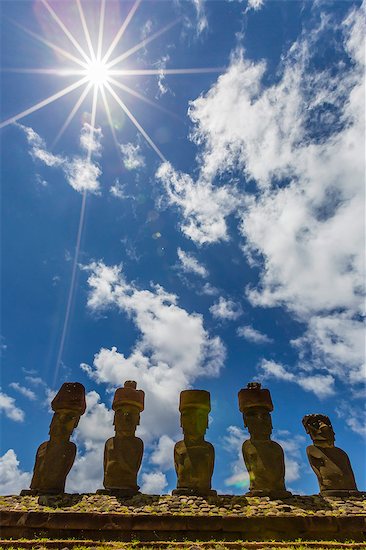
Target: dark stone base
(273, 495)
(37, 492)
(331, 493)
(123, 493)
(184, 491)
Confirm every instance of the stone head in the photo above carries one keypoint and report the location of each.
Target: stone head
(320, 429)
(194, 409)
(256, 405)
(68, 404)
(128, 402)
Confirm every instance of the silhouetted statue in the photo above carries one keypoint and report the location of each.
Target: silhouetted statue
(263, 458)
(194, 457)
(123, 452)
(54, 458)
(330, 464)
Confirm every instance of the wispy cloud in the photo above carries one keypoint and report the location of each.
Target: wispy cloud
(190, 264)
(132, 156)
(81, 173)
(253, 335)
(23, 390)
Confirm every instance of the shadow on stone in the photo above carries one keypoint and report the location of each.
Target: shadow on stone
(59, 501)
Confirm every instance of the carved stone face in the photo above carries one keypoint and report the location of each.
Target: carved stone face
(194, 421)
(126, 420)
(320, 429)
(259, 423)
(63, 424)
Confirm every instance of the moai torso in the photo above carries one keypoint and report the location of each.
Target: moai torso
(122, 461)
(263, 457)
(330, 464)
(265, 464)
(194, 464)
(53, 463)
(193, 456)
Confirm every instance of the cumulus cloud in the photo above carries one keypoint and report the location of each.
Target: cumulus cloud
(132, 157)
(12, 478)
(204, 208)
(81, 173)
(163, 453)
(160, 362)
(190, 264)
(23, 390)
(292, 446)
(304, 225)
(226, 310)
(153, 483)
(9, 408)
(320, 384)
(253, 335)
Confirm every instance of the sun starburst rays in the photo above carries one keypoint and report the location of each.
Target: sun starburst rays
(96, 71)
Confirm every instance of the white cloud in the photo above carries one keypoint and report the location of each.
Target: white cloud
(321, 384)
(304, 226)
(204, 208)
(292, 445)
(209, 290)
(161, 363)
(202, 22)
(23, 390)
(132, 157)
(12, 479)
(36, 380)
(90, 139)
(81, 173)
(255, 4)
(190, 264)
(355, 418)
(118, 190)
(153, 483)
(226, 310)
(253, 335)
(8, 406)
(163, 453)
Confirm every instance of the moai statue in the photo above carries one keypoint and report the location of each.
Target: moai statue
(330, 464)
(55, 457)
(263, 458)
(194, 457)
(123, 452)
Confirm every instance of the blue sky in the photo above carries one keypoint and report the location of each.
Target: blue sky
(221, 226)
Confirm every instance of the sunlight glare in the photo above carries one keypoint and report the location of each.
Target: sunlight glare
(97, 73)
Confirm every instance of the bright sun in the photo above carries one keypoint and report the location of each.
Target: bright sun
(97, 73)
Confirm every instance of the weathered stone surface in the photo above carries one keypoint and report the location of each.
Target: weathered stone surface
(330, 464)
(243, 518)
(123, 452)
(193, 456)
(54, 458)
(263, 458)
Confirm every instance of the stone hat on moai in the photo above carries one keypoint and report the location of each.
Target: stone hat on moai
(70, 396)
(129, 395)
(195, 398)
(254, 396)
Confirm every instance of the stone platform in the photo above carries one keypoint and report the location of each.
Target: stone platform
(178, 518)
